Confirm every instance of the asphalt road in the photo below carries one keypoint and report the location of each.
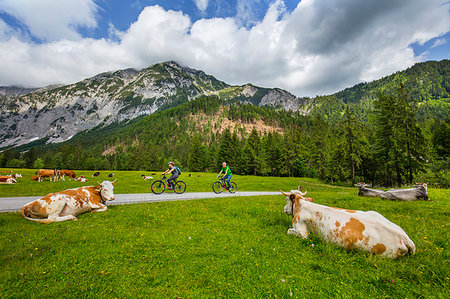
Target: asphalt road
(13, 204)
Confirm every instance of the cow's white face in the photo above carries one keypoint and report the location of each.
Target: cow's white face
(107, 190)
(288, 208)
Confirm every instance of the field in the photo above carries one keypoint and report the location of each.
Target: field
(131, 182)
(233, 247)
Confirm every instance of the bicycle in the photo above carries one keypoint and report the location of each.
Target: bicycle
(159, 186)
(221, 184)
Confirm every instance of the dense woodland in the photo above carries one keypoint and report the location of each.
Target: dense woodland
(390, 144)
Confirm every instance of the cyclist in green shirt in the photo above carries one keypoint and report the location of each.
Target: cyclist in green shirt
(227, 173)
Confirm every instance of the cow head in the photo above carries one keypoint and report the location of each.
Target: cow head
(107, 190)
(424, 185)
(290, 199)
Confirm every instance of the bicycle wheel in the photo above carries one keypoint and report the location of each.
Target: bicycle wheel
(179, 187)
(233, 187)
(158, 187)
(217, 187)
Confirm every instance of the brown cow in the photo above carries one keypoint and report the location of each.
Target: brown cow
(68, 204)
(43, 173)
(35, 178)
(69, 173)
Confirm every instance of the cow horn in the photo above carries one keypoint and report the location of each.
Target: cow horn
(284, 193)
(114, 181)
(98, 182)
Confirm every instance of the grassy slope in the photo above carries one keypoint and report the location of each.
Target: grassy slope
(221, 247)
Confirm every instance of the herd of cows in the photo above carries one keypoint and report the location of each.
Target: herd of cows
(367, 231)
(54, 175)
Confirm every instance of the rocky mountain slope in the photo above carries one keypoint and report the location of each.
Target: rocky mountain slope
(58, 113)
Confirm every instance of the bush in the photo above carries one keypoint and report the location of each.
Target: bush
(15, 163)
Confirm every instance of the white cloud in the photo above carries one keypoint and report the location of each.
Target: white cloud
(52, 20)
(202, 5)
(321, 47)
(439, 42)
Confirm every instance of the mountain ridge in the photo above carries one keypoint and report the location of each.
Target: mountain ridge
(57, 113)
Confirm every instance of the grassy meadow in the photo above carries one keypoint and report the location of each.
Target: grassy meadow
(132, 182)
(227, 247)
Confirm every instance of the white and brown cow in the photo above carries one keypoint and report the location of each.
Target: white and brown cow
(6, 179)
(367, 231)
(68, 204)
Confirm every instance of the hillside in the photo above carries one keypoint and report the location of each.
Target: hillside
(57, 113)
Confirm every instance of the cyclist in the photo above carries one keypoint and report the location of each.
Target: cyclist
(175, 171)
(227, 173)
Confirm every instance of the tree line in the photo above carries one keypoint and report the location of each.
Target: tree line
(387, 146)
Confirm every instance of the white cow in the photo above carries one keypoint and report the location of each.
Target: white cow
(367, 231)
(68, 204)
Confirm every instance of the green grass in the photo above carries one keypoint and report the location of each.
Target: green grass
(227, 247)
(131, 182)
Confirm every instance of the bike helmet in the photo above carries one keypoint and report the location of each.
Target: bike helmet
(171, 163)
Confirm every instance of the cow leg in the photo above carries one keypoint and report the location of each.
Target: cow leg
(98, 208)
(57, 218)
(299, 229)
(55, 211)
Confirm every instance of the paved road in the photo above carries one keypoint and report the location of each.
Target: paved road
(12, 204)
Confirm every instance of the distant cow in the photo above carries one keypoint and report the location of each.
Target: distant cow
(146, 177)
(82, 179)
(7, 179)
(68, 204)
(35, 178)
(68, 173)
(96, 174)
(110, 175)
(412, 194)
(44, 173)
(366, 192)
(16, 175)
(367, 231)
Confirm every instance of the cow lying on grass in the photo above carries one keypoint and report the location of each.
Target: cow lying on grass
(6, 179)
(419, 191)
(366, 192)
(68, 204)
(367, 231)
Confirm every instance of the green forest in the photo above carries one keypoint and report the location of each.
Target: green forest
(391, 146)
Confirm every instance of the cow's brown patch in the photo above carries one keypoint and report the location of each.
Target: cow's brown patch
(378, 248)
(349, 211)
(319, 215)
(37, 211)
(352, 232)
(337, 224)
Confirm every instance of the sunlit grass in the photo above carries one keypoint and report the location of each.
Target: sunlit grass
(132, 182)
(221, 247)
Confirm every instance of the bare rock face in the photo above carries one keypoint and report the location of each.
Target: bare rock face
(57, 113)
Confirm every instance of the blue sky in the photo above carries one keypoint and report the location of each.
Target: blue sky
(308, 48)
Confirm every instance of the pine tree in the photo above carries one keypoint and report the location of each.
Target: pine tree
(196, 155)
(354, 143)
